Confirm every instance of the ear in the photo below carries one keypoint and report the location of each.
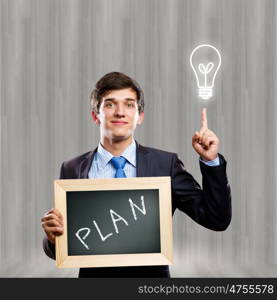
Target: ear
(95, 118)
(141, 118)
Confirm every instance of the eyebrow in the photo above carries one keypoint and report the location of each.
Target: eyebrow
(113, 99)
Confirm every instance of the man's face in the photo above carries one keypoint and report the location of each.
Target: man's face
(118, 115)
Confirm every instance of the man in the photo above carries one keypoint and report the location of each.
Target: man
(117, 108)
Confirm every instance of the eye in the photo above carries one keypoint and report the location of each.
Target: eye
(130, 105)
(108, 104)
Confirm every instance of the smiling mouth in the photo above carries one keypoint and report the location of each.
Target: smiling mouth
(119, 122)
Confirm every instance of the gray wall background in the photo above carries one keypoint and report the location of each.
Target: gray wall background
(53, 52)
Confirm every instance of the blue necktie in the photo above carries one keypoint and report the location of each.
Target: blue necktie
(119, 163)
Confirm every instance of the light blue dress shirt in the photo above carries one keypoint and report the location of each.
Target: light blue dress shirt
(101, 166)
(211, 163)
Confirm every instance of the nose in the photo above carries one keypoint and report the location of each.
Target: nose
(119, 111)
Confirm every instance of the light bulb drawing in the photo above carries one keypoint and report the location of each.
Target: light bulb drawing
(205, 61)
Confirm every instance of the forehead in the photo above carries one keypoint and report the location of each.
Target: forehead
(122, 94)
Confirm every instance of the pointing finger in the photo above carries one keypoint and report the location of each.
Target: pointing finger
(204, 121)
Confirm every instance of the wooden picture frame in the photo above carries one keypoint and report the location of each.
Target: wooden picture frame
(162, 184)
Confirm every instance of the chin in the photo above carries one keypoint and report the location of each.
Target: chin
(119, 135)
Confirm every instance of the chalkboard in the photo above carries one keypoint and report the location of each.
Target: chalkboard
(114, 222)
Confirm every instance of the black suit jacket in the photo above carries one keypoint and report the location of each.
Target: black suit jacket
(209, 206)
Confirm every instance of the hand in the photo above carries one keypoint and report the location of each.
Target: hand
(205, 142)
(52, 223)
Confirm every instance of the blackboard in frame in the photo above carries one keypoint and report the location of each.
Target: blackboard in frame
(114, 222)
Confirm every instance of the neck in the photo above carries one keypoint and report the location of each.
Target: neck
(116, 148)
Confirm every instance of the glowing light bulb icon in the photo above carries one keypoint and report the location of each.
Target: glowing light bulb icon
(205, 61)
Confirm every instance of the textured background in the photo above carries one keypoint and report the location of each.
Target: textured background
(53, 52)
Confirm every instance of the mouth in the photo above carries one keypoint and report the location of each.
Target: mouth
(119, 122)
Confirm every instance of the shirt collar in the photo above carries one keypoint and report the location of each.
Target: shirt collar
(105, 156)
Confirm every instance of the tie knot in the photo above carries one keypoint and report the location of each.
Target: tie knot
(118, 162)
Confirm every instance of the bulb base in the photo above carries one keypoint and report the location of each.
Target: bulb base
(205, 93)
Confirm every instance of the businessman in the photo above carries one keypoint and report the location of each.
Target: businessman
(117, 104)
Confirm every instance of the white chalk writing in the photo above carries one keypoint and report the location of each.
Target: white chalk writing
(133, 206)
(99, 232)
(81, 239)
(119, 218)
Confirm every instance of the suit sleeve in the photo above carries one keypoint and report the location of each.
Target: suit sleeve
(48, 247)
(209, 206)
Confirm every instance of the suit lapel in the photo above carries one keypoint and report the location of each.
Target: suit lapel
(86, 164)
(143, 162)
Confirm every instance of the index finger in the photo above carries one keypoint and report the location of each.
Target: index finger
(204, 121)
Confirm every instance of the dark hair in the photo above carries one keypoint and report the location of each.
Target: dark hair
(114, 81)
